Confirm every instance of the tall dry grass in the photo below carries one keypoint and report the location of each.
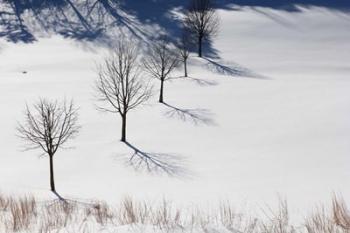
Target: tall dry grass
(26, 214)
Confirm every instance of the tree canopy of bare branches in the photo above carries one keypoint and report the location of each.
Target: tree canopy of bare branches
(160, 62)
(202, 19)
(48, 126)
(120, 87)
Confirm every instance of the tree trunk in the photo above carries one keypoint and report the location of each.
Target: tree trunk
(185, 66)
(52, 179)
(200, 38)
(123, 139)
(161, 91)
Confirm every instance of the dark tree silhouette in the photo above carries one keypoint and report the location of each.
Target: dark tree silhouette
(48, 126)
(202, 19)
(184, 47)
(160, 62)
(119, 86)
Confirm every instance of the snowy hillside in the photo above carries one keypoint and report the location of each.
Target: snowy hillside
(266, 113)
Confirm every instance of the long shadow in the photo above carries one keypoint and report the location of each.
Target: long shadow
(63, 17)
(197, 116)
(59, 196)
(92, 20)
(119, 15)
(157, 163)
(198, 81)
(201, 82)
(231, 69)
(291, 5)
(274, 17)
(14, 28)
(100, 21)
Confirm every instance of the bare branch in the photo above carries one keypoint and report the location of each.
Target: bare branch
(119, 87)
(184, 47)
(161, 61)
(202, 20)
(48, 125)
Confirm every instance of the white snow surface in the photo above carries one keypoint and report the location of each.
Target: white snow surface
(273, 117)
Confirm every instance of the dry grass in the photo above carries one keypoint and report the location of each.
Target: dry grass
(101, 212)
(341, 214)
(337, 221)
(27, 215)
(21, 213)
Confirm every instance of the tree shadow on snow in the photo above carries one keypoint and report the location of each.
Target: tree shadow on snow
(77, 19)
(196, 116)
(290, 5)
(101, 21)
(156, 163)
(231, 69)
(275, 17)
(60, 198)
(201, 82)
(197, 81)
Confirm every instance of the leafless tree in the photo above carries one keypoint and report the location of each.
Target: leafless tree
(48, 126)
(160, 62)
(203, 21)
(119, 86)
(184, 47)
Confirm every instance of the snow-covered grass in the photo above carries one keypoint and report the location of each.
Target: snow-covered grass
(28, 215)
(269, 116)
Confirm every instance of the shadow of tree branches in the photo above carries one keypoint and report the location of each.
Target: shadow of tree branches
(60, 198)
(202, 82)
(101, 21)
(156, 163)
(197, 116)
(198, 81)
(290, 5)
(231, 69)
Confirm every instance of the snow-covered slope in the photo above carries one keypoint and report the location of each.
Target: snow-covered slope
(268, 116)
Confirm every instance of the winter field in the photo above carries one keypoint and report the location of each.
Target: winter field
(265, 115)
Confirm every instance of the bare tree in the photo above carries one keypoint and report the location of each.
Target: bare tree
(48, 126)
(119, 86)
(184, 47)
(203, 21)
(160, 62)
